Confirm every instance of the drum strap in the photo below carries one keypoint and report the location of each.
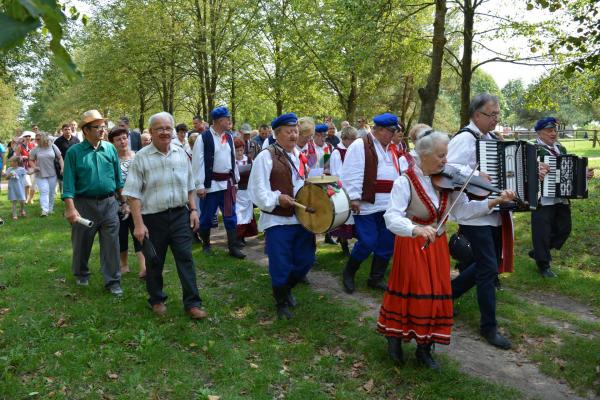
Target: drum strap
(289, 159)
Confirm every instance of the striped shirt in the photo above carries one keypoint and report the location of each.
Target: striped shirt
(160, 181)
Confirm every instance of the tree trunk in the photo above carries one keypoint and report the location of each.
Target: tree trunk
(142, 98)
(233, 99)
(429, 94)
(350, 106)
(466, 62)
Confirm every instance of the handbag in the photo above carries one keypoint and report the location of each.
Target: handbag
(57, 166)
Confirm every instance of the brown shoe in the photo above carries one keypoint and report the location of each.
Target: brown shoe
(159, 309)
(196, 313)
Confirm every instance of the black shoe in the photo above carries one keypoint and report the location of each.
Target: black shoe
(329, 239)
(234, 251)
(348, 275)
(241, 242)
(395, 350)
(497, 340)
(305, 280)
(281, 302)
(205, 237)
(424, 357)
(292, 282)
(531, 254)
(345, 248)
(497, 283)
(547, 273)
(377, 276)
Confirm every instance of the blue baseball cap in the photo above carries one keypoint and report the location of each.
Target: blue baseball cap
(321, 128)
(547, 122)
(284, 119)
(219, 112)
(386, 120)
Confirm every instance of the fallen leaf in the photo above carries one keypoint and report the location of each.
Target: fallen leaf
(213, 397)
(31, 394)
(4, 311)
(252, 365)
(49, 379)
(368, 386)
(58, 354)
(61, 322)
(51, 269)
(112, 375)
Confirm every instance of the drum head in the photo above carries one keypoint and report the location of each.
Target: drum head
(314, 196)
(323, 179)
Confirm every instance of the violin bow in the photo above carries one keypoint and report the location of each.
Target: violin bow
(447, 212)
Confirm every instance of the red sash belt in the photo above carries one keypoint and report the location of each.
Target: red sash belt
(230, 192)
(382, 186)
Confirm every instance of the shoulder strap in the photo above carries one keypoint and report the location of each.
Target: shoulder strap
(466, 129)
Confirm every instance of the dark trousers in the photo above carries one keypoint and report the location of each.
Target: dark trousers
(125, 228)
(171, 228)
(486, 242)
(550, 229)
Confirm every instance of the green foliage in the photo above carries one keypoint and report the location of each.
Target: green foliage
(10, 107)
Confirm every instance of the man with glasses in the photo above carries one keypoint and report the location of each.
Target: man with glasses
(362, 129)
(484, 233)
(368, 174)
(91, 180)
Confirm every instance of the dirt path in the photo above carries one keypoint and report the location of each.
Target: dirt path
(475, 357)
(560, 302)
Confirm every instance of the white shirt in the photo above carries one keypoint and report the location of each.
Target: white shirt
(335, 162)
(160, 181)
(222, 162)
(261, 194)
(353, 172)
(403, 161)
(462, 154)
(395, 216)
(362, 132)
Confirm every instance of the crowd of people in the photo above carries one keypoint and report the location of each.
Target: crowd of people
(165, 188)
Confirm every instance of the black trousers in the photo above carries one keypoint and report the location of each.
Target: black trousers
(550, 229)
(171, 228)
(125, 228)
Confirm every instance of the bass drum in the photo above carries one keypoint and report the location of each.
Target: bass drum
(329, 201)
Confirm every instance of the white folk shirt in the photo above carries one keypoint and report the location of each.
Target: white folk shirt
(395, 216)
(462, 154)
(261, 194)
(403, 163)
(550, 201)
(335, 162)
(353, 172)
(222, 162)
(160, 181)
(243, 205)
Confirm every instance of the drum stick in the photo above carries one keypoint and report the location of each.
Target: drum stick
(307, 209)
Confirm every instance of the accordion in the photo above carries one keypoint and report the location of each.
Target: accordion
(567, 177)
(511, 166)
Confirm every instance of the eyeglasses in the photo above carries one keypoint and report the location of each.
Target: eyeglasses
(163, 130)
(99, 127)
(492, 115)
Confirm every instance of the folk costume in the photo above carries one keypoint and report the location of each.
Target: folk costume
(490, 237)
(418, 301)
(246, 223)
(368, 173)
(289, 247)
(551, 222)
(346, 231)
(213, 163)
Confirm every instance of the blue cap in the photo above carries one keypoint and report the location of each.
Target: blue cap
(386, 120)
(321, 128)
(219, 112)
(548, 122)
(284, 119)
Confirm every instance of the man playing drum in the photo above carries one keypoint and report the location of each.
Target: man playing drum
(277, 174)
(368, 175)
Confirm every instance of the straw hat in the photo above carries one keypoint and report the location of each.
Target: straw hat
(90, 116)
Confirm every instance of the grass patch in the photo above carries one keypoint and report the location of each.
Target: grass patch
(62, 341)
(583, 148)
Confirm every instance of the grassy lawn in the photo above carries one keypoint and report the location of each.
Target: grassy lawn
(581, 147)
(66, 342)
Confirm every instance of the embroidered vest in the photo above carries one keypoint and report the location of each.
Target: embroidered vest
(281, 179)
(370, 176)
(421, 209)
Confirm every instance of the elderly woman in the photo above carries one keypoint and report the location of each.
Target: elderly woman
(278, 172)
(119, 137)
(42, 162)
(418, 301)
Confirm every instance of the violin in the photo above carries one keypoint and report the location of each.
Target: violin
(478, 188)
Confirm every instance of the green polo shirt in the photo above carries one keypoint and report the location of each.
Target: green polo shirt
(91, 172)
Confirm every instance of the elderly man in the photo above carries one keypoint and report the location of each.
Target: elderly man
(485, 232)
(135, 139)
(91, 177)
(198, 124)
(277, 175)
(368, 174)
(251, 149)
(216, 174)
(551, 222)
(160, 189)
(363, 128)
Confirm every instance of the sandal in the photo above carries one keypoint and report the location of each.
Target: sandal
(23, 214)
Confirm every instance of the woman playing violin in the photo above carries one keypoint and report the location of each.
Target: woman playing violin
(418, 301)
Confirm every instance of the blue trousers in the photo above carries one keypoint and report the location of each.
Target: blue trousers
(208, 208)
(291, 252)
(373, 237)
(487, 251)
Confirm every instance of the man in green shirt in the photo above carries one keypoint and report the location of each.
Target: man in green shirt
(92, 183)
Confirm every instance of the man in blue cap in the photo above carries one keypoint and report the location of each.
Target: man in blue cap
(551, 222)
(216, 174)
(368, 174)
(277, 174)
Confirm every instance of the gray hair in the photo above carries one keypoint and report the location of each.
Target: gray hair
(160, 115)
(349, 133)
(427, 140)
(479, 101)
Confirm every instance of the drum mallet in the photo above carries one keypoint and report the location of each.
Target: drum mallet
(309, 210)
